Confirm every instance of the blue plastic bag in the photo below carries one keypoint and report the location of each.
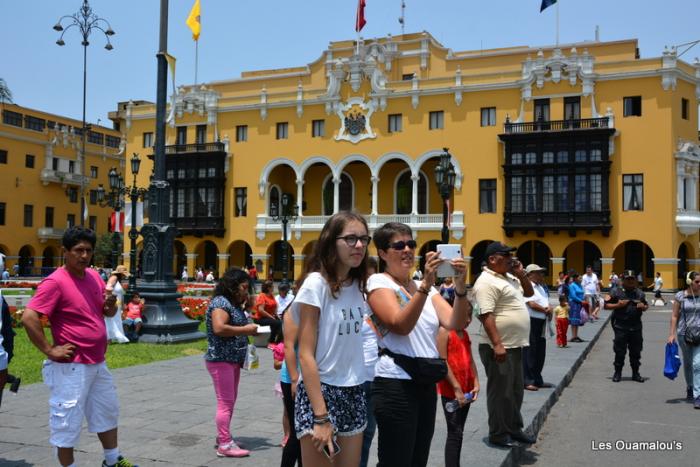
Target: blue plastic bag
(672, 361)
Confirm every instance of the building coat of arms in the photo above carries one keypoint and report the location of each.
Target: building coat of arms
(355, 120)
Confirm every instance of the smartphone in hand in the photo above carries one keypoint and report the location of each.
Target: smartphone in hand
(336, 449)
(448, 252)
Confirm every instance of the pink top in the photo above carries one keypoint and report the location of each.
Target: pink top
(74, 308)
(133, 310)
(278, 351)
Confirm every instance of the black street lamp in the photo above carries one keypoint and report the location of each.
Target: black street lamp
(134, 193)
(86, 21)
(288, 213)
(445, 180)
(113, 199)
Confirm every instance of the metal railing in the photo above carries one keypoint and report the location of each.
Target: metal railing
(557, 125)
(195, 147)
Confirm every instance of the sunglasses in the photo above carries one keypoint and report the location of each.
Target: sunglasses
(400, 245)
(351, 240)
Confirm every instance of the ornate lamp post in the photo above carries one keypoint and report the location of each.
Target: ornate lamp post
(114, 200)
(135, 193)
(445, 180)
(86, 21)
(288, 213)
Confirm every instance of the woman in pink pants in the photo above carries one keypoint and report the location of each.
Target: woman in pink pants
(227, 331)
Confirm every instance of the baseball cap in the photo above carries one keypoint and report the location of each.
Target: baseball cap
(628, 273)
(534, 268)
(495, 248)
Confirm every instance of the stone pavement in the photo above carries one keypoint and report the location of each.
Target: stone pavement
(167, 411)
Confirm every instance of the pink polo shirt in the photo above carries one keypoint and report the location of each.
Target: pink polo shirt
(74, 308)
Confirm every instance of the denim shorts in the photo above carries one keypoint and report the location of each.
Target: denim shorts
(347, 409)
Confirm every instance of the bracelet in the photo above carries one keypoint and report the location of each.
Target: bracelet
(322, 420)
(423, 290)
(463, 294)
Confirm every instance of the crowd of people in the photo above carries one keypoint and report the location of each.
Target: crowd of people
(362, 347)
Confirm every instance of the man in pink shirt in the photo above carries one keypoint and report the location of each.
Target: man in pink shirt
(74, 300)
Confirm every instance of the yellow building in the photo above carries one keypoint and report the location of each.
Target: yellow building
(41, 175)
(578, 154)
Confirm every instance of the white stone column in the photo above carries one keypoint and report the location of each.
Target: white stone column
(680, 177)
(414, 194)
(336, 195)
(375, 195)
(300, 195)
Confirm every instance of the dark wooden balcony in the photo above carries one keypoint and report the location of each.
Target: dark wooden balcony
(195, 147)
(557, 125)
(199, 226)
(571, 222)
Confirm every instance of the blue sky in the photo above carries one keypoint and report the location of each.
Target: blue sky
(239, 35)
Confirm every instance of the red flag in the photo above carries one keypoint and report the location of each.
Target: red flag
(116, 224)
(360, 18)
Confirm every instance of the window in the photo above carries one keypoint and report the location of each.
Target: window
(437, 120)
(54, 163)
(404, 193)
(394, 123)
(71, 167)
(93, 171)
(29, 161)
(345, 194)
(633, 192)
(274, 200)
(12, 118)
(407, 76)
(181, 135)
(282, 130)
(95, 137)
(684, 108)
(48, 217)
(318, 128)
(241, 202)
(241, 133)
(93, 196)
(148, 139)
(92, 223)
(34, 123)
(541, 110)
(632, 106)
(201, 135)
(112, 141)
(516, 158)
(3, 208)
(488, 116)
(73, 194)
(3, 156)
(572, 108)
(547, 157)
(487, 195)
(28, 215)
(70, 220)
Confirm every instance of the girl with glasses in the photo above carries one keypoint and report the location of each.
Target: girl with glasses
(408, 315)
(330, 409)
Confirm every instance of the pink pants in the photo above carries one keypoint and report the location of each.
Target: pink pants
(225, 376)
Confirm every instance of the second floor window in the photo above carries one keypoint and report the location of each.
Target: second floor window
(92, 223)
(572, 108)
(487, 195)
(394, 123)
(241, 133)
(3, 156)
(70, 220)
(93, 196)
(282, 130)
(488, 116)
(201, 136)
(29, 161)
(241, 202)
(93, 171)
(73, 195)
(3, 207)
(318, 128)
(633, 192)
(437, 120)
(685, 106)
(148, 139)
(541, 110)
(48, 217)
(28, 215)
(181, 135)
(71, 167)
(632, 106)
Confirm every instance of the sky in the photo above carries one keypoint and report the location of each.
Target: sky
(244, 35)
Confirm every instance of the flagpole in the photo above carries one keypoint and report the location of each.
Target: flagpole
(196, 60)
(557, 25)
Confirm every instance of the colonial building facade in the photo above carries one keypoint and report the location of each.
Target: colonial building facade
(41, 174)
(578, 154)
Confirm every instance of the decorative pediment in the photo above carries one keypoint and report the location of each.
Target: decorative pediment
(557, 67)
(355, 118)
(199, 100)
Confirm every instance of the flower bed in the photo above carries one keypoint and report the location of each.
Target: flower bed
(196, 289)
(16, 314)
(194, 308)
(19, 285)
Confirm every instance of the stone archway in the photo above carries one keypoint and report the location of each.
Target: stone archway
(48, 260)
(206, 255)
(478, 255)
(537, 252)
(179, 259)
(276, 265)
(637, 256)
(26, 260)
(240, 254)
(580, 254)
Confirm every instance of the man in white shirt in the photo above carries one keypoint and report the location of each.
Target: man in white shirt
(539, 310)
(283, 298)
(591, 291)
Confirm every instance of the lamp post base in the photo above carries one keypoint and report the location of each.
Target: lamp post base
(166, 323)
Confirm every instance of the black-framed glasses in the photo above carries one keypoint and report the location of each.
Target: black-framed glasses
(351, 240)
(400, 245)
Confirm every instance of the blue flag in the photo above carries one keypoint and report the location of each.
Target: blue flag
(547, 4)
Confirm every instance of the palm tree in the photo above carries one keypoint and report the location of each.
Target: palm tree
(5, 93)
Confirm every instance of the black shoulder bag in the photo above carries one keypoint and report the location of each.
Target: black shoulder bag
(422, 370)
(692, 334)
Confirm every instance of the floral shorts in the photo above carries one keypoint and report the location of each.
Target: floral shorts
(347, 409)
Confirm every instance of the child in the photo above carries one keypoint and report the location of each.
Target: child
(562, 314)
(278, 359)
(133, 321)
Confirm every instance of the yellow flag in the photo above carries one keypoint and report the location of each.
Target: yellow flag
(193, 20)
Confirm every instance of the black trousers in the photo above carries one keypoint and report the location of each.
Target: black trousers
(631, 339)
(504, 391)
(455, 432)
(275, 328)
(405, 413)
(291, 453)
(533, 356)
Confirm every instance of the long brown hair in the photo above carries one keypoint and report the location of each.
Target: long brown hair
(324, 257)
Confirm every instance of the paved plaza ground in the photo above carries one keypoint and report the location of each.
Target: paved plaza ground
(167, 411)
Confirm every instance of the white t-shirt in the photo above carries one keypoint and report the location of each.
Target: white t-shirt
(339, 361)
(283, 302)
(658, 283)
(420, 342)
(540, 297)
(589, 284)
(370, 349)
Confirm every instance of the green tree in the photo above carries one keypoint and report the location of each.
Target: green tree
(5, 93)
(103, 250)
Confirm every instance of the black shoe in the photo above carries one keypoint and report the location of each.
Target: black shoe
(689, 394)
(14, 385)
(504, 442)
(637, 377)
(523, 437)
(545, 385)
(617, 377)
